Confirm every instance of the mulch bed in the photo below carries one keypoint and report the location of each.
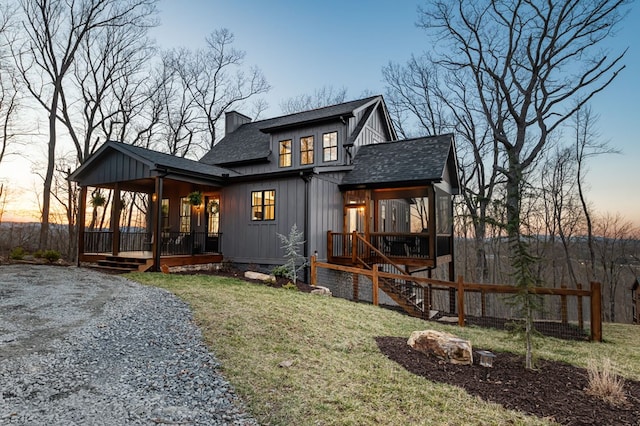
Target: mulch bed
(555, 391)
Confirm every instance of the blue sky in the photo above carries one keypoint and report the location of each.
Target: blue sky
(304, 45)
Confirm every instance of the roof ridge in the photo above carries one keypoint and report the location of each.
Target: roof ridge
(369, 98)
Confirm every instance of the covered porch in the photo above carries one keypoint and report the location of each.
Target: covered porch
(176, 203)
(398, 207)
(411, 227)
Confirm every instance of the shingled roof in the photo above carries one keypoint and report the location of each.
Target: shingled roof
(153, 160)
(251, 143)
(394, 164)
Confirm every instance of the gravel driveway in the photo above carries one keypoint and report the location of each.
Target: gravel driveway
(81, 347)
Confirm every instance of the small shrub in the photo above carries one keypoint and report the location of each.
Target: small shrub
(51, 255)
(280, 271)
(290, 286)
(604, 383)
(18, 253)
(37, 254)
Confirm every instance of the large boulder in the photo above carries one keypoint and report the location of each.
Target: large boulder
(443, 345)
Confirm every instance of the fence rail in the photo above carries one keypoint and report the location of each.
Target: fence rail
(474, 302)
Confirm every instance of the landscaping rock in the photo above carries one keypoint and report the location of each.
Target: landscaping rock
(259, 276)
(322, 291)
(443, 345)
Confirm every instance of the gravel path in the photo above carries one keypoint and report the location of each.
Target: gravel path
(78, 347)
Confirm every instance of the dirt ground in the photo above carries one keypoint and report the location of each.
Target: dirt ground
(555, 391)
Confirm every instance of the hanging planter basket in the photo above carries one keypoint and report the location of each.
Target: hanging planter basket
(195, 198)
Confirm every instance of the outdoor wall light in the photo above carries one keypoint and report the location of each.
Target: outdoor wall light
(154, 197)
(486, 362)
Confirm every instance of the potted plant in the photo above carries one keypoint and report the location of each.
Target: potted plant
(195, 198)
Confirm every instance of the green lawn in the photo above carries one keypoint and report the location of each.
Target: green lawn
(338, 375)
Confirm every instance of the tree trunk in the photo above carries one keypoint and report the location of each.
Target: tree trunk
(48, 179)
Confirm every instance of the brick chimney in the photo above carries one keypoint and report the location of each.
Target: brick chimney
(233, 120)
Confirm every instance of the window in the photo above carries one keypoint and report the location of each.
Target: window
(285, 153)
(306, 150)
(185, 215)
(263, 205)
(165, 215)
(330, 146)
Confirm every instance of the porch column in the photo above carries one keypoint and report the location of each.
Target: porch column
(116, 208)
(367, 214)
(157, 225)
(82, 213)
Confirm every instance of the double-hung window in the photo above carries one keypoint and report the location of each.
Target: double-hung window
(306, 150)
(185, 215)
(330, 146)
(285, 153)
(263, 205)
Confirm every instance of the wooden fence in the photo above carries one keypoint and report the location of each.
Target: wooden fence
(459, 287)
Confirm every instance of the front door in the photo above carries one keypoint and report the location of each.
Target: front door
(212, 244)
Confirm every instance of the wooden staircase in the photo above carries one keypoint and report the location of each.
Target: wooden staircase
(122, 264)
(407, 293)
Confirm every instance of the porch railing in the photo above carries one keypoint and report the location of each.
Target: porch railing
(171, 243)
(190, 243)
(397, 246)
(98, 241)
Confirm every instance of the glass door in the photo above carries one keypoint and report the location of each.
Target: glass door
(212, 244)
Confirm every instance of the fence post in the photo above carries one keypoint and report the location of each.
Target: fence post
(460, 301)
(580, 310)
(374, 279)
(314, 271)
(596, 311)
(354, 247)
(563, 305)
(356, 286)
(329, 246)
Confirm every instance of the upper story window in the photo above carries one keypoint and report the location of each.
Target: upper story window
(263, 205)
(285, 153)
(330, 146)
(306, 150)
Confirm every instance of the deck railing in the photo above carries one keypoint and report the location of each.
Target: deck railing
(172, 243)
(98, 241)
(189, 243)
(400, 247)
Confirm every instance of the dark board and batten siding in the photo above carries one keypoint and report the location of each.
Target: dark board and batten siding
(325, 211)
(116, 167)
(248, 241)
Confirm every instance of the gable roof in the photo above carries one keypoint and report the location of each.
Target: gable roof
(153, 163)
(251, 142)
(411, 161)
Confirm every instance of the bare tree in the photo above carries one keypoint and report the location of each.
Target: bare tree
(421, 100)
(9, 93)
(54, 32)
(324, 96)
(216, 80)
(614, 245)
(534, 64)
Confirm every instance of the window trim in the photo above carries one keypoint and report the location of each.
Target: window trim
(330, 148)
(307, 151)
(286, 154)
(263, 206)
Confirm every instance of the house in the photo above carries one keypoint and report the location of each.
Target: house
(339, 173)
